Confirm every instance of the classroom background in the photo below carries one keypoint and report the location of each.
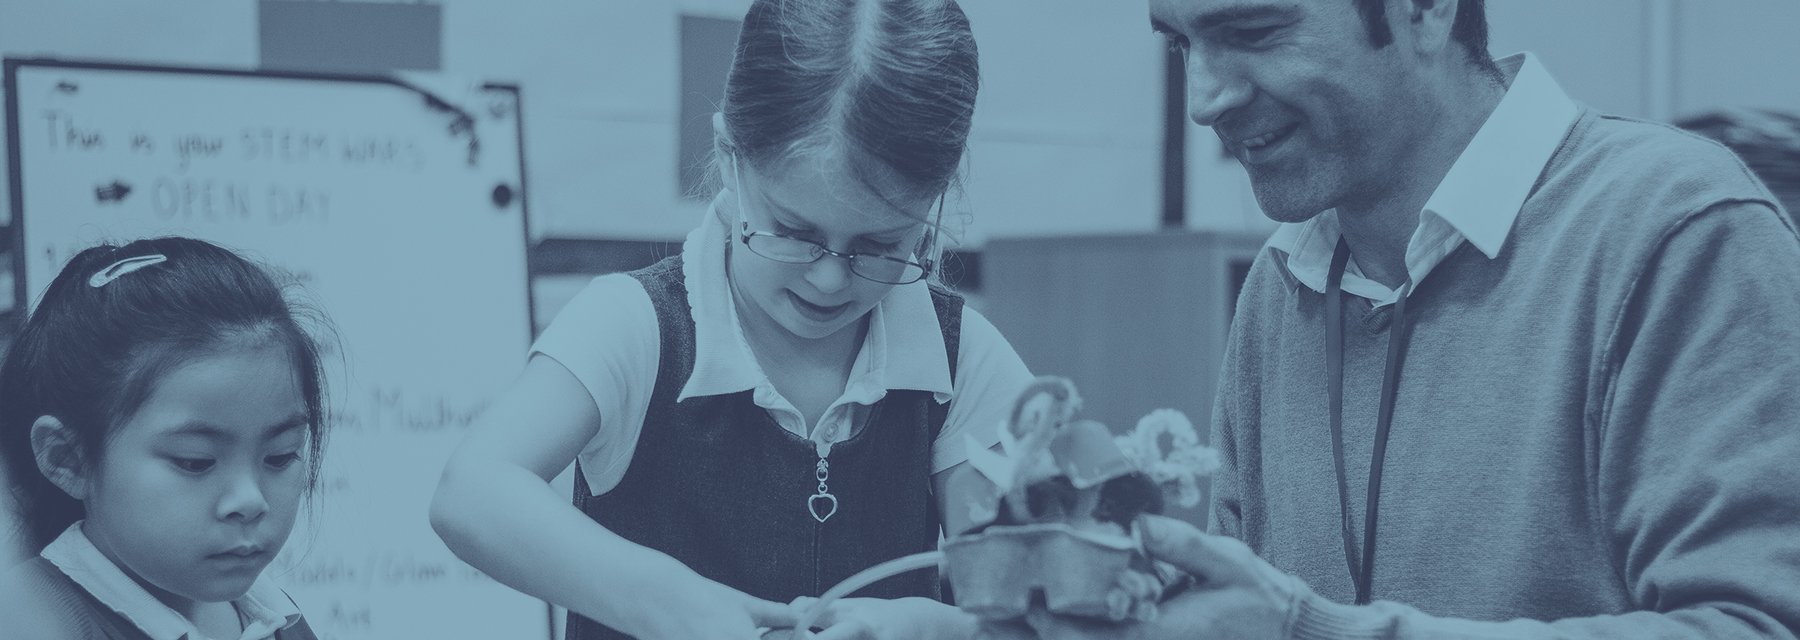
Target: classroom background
(1101, 232)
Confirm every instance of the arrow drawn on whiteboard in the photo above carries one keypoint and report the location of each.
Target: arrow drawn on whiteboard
(111, 193)
(461, 123)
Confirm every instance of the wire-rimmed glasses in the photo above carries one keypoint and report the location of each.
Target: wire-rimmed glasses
(869, 266)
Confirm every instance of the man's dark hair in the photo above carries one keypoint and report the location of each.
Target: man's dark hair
(1470, 29)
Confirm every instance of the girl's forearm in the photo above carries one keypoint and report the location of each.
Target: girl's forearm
(511, 525)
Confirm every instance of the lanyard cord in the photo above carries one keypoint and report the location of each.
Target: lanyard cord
(1362, 566)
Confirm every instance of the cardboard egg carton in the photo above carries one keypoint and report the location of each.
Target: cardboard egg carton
(1054, 510)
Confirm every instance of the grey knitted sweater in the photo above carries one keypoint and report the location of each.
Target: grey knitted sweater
(1597, 432)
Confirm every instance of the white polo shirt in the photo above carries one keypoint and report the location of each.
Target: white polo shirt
(608, 337)
(265, 609)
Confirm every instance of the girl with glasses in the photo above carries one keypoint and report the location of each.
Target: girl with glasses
(776, 407)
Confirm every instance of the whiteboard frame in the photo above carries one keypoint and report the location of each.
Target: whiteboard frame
(12, 234)
(14, 231)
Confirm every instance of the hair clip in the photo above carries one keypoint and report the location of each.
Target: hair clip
(123, 267)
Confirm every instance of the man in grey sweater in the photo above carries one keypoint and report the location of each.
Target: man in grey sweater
(1514, 369)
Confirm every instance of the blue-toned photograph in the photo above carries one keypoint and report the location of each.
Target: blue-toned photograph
(900, 320)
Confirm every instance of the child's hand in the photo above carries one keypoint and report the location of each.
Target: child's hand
(878, 619)
(700, 609)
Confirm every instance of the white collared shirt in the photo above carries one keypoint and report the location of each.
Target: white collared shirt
(265, 609)
(608, 337)
(1477, 201)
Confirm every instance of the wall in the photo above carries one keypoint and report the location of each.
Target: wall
(1065, 137)
(1739, 53)
(1067, 134)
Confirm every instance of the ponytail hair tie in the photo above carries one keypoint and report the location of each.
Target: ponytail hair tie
(122, 267)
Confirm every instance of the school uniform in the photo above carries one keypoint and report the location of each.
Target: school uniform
(698, 455)
(71, 591)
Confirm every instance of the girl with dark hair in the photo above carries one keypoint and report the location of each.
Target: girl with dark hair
(161, 416)
(775, 408)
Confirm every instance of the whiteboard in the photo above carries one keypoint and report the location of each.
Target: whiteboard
(400, 208)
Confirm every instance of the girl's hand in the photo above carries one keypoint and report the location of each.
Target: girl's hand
(700, 609)
(878, 619)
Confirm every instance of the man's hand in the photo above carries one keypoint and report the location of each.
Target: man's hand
(1237, 595)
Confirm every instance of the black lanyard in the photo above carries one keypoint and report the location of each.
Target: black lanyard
(1362, 567)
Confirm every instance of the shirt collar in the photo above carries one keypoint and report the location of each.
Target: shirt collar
(903, 349)
(1481, 196)
(266, 608)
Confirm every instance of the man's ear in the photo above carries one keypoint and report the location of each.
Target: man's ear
(1427, 24)
(57, 449)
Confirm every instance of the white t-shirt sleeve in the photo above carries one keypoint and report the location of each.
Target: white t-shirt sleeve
(608, 337)
(989, 377)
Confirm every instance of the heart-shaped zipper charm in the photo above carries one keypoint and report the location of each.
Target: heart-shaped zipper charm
(822, 506)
